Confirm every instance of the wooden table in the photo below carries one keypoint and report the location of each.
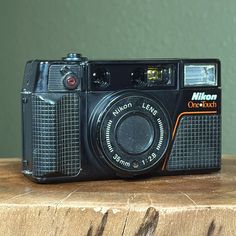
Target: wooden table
(180, 205)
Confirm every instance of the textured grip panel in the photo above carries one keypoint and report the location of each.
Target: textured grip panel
(197, 144)
(56, 135)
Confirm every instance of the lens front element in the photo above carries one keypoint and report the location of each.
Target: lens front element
(133, 133)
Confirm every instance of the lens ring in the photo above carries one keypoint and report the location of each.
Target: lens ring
(117, 155)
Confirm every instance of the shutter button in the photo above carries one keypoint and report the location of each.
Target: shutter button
(74, 57)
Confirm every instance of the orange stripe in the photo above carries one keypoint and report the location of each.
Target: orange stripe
(177, 122)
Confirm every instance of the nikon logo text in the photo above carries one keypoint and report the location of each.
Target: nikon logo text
(202, 96)
(121, 108)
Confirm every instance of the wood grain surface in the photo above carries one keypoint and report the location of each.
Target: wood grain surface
(170, 205)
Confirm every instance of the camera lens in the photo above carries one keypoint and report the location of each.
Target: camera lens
(130, 131)
(101, 77)
(134, 134)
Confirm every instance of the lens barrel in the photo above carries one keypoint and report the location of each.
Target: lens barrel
(132, 132)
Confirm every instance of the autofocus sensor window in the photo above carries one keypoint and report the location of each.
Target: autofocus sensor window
(153, 75)
(101, 77)
(138, 77)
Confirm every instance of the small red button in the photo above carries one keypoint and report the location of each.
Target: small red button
(71, 82)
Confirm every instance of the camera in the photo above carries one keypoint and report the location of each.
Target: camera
(105, 119)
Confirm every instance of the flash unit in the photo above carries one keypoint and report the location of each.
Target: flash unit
(200, 75)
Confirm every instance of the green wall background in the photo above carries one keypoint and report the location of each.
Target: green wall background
(112, 29)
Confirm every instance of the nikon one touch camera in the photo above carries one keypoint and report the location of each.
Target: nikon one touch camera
(104, 119)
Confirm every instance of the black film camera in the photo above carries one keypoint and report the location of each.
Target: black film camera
(89, 119)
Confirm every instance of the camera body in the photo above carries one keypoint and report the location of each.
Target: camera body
(99, 119)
